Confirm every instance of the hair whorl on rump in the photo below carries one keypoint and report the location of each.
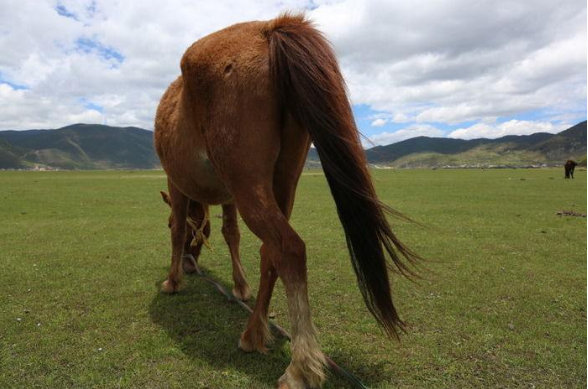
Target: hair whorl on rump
(312, 89)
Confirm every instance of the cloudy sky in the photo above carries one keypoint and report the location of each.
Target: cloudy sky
(453, 68)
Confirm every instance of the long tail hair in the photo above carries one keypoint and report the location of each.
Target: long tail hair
(311, 87)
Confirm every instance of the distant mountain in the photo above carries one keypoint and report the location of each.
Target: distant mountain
(512, 150)
(79, 146)
(447, 146)
(567, 144)
(89, 146)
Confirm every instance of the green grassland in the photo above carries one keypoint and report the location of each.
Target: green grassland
(502, 303)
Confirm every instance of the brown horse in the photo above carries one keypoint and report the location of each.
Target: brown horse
(235, 128)
(569, 167)
(196, 220)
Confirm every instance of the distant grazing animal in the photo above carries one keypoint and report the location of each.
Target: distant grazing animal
(192, 246)
(235, 129)
(569, 167)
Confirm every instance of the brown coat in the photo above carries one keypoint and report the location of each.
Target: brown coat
(236, 127)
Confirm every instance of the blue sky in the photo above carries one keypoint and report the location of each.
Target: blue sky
(365, 117)
(94, 47)
(11, 84)
(448, 68)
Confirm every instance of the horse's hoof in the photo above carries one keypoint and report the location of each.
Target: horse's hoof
(248, 347)
(245, 346)
(189, 264)
(170, 287)
(242, 293)
(248, 342)
(287, 382)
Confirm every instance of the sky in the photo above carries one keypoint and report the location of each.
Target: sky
(446, 68)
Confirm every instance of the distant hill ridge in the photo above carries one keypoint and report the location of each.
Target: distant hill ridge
(79, 146)
(92, 146)
(511, 150)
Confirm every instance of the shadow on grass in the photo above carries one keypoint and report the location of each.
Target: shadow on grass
(207, 328)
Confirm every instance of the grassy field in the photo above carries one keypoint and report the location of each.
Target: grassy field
(503, 304)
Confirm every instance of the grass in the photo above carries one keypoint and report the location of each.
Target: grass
(502, 305)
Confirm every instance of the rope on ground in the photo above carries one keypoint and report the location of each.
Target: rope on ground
(571, 213)
(354, 381)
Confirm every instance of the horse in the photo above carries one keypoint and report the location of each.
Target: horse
(198, 232)
(235, 129)
(569, 167)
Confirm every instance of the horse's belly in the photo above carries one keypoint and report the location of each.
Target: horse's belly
(198, 179)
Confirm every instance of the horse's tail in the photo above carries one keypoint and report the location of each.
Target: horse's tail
(311, 88)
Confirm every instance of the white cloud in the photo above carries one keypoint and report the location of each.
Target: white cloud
(512, 127)
(379, 122)
(41, 51)
(24, 109)
(386, 138)
(400, 118)
(452, 61)
(415, 62)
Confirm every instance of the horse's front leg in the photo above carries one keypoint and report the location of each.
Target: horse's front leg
(232, 238)
(179, 205)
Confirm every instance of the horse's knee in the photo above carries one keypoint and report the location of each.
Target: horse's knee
(292, 258)
(230, 227)
(231, 233)
(293, 245)
(178, 234)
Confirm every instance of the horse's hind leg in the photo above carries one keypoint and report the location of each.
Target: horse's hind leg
(294, 146)
(232, 237)
(288, 253)
(284, 251)
(243, 140)
(179, 205)
(196, 212)
(257, 334)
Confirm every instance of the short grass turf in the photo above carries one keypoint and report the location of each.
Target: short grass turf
(502, 303)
